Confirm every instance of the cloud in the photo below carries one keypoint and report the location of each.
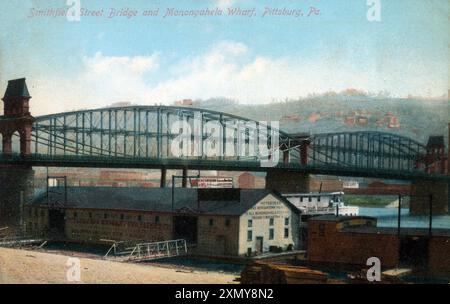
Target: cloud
(103, 80)
(227, 69)
(111, 78)
(100, 64)
(223, 71)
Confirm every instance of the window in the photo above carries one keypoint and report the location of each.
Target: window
(75, 215)
(271, 220)
(35, 212)
(42, 213)
(271, 234)
(90, 214)
(157, 219)
(310, 199)
(29, 212)
(211, 222)
(322, 230)
(227, 222)
(286, 221)
(140, 218)
(122, 216)
(105, 216)
(286, 233)
(301, 199)
(250, 223)
(249, 236)
(318, 199)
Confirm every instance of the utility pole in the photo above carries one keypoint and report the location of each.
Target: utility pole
(399, 216)
(430, 227)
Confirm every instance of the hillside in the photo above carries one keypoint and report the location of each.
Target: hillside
(415, 118)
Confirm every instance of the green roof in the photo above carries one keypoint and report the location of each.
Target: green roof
(17, 88)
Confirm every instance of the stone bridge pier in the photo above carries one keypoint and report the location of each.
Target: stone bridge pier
(436, 160)
(424, 191)
(16, 182)
(17, 188)
(287, 181)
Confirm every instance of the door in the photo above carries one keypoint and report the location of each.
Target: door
(259, 244)
(185, 227)
(414, 252)
(57, 220)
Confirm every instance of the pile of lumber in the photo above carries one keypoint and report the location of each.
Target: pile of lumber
(269, 273)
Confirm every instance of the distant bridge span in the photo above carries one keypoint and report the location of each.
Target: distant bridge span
(141, 137)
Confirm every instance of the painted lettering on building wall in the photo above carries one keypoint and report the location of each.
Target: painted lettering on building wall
(268, 209)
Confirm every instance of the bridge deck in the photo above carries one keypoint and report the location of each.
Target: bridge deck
(211, 164)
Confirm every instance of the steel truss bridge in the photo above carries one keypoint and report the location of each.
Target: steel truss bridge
(142, 137)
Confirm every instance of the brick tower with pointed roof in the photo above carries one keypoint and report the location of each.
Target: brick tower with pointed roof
(16, 181)
(16, 116)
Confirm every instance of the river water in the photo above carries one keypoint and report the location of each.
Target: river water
(387, 217)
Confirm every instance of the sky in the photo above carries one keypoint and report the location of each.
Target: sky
(253, 59)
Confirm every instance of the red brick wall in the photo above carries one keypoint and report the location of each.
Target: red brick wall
(328, 185)
(439, 256)
(350, 248)
(246, 181)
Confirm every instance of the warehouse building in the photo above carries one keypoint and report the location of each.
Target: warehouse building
(352, 240)
(217, 222)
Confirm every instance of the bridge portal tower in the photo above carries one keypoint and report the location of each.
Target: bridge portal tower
(434, 161)
(16, 116)
(16, 181)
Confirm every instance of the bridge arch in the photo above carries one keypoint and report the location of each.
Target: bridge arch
(367, 150)
(140, 131)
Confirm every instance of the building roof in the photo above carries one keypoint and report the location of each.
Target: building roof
(340, 218)
(17, 88)
(153, 199)
(394, 231)
(314, 194)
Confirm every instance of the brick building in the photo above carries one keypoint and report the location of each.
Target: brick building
(352, 240)
(218, 222)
